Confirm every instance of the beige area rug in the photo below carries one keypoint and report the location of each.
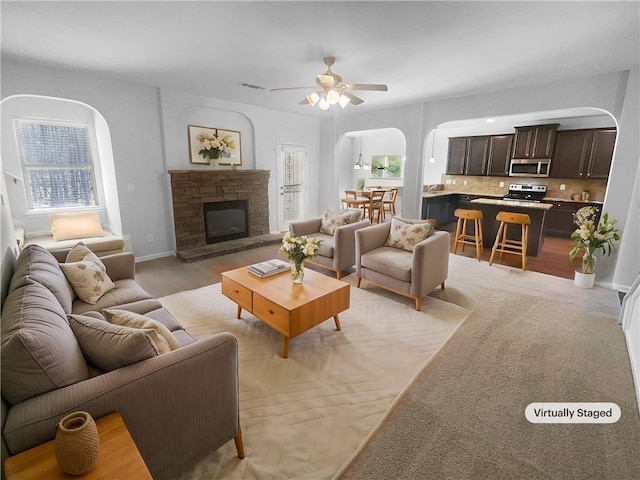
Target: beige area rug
(303, 417)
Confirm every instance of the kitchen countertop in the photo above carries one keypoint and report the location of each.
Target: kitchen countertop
(513, 203)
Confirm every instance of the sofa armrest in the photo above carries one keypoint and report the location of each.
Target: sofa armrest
(344, 244)
(178, 406)
(120, 266)
(371, 237)
(305, 227)
(430, 265)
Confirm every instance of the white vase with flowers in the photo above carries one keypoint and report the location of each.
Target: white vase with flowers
(591, 237)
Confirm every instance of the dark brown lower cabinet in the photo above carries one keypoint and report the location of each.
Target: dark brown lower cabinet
(560, 218)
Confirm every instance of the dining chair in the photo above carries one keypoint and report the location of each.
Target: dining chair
(375, 205)
(389, 205)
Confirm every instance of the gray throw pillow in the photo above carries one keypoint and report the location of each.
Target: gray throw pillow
(39, 352)
(108, 346)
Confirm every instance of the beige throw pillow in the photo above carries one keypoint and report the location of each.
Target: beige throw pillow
(135, 320)
(332, 220)
(79, 225)
(86, 274)
(406, 235)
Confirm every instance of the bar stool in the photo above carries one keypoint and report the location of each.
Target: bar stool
(462, 237)
(506, 245)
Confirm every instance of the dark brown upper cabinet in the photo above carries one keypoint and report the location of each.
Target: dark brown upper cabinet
(457, 159)
(468, 156)
(583, 153)
(478, 152)
(534, 142)
(601, 153)
(500, 147)
(483, 155)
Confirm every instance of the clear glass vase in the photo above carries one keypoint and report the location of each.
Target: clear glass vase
(297, 272)
(589, 261)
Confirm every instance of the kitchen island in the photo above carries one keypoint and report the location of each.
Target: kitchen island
(537, 212)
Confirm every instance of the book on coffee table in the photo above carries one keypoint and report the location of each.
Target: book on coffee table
(268, 268)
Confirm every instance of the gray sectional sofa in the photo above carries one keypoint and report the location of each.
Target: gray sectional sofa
(178, 406)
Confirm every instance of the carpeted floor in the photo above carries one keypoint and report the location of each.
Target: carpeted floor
(530, 338)
(303, 417)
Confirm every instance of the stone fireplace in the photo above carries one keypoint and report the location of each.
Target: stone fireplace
(192, 189)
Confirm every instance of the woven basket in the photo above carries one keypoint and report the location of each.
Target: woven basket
(77, 443)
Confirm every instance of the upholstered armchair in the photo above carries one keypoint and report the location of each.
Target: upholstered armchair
(337, 248)
(410, 273)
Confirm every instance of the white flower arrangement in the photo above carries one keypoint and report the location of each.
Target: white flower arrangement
(214, 145)
(592, 237)
(299, 249)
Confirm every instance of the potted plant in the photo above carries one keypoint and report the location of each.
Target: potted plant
(591, 238)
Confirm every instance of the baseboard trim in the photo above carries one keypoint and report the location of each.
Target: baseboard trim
(155, 256)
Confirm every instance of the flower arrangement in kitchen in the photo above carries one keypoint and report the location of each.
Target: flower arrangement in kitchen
(592, 237)
(213, 145)
(297, 250)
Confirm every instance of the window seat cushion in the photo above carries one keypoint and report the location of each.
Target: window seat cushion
(101, 246)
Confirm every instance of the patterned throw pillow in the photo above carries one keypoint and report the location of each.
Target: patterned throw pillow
(86, 274)
(332, 220)
(406, 235)
(126, 318)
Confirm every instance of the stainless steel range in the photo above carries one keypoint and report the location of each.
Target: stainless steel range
(526, 192)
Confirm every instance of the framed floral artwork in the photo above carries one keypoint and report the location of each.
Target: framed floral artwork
(207, 144)
(232, 153)
(197, 138)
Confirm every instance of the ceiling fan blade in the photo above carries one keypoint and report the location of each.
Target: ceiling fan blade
(326, 80)
(354, 100)
(366, 86)
(304, 101)
(292, 88)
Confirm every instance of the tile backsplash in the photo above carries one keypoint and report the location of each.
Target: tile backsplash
(491, 185)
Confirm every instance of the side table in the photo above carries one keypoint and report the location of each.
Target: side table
(119, 457)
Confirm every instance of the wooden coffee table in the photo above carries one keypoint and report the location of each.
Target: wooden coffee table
(287, 308)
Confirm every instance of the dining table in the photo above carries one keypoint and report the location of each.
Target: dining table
(363, 200)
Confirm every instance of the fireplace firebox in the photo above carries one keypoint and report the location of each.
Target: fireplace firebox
(225, 220)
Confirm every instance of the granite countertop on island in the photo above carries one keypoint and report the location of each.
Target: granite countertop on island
(513, 203)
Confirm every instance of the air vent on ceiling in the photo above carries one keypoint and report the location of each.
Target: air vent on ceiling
(251, 85)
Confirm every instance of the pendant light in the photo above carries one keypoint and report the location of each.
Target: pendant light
(360, 163)
(433, 144)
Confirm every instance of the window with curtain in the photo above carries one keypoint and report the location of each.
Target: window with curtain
(57, 164)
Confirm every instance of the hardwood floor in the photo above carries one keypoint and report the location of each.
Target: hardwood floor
(168, 275)
(552, 260)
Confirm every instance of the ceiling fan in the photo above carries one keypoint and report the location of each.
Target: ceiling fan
(330, 90)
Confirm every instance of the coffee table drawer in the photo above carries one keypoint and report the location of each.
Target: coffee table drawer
(236, 292)
(271, 314)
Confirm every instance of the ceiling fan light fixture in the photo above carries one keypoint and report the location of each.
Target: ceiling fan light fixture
(333, 97)
(313, 98)
(323, 104)
(344, 101)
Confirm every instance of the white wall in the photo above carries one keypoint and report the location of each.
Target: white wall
(133, 116)
(145, 144)
(610, 92)
(261, 131)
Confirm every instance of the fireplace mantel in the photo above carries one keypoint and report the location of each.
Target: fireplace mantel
(191, 189)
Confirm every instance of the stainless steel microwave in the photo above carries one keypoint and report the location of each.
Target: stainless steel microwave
(529, 168)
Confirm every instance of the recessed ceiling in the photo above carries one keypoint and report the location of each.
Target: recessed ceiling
(421, 50)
